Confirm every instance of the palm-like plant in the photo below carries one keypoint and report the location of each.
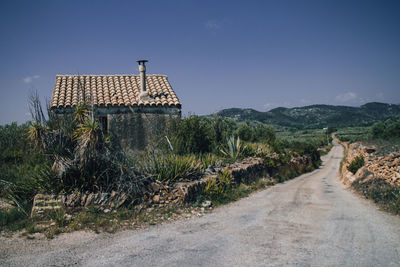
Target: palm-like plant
(81, 113)
(88, 134)
(36, 134)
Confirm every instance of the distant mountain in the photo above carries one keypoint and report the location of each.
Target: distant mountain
(316, 116)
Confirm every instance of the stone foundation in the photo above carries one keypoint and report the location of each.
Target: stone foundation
(44, 205)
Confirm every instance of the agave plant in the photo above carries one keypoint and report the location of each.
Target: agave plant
(233, 149)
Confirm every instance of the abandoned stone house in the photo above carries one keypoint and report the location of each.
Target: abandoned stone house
(134, 109)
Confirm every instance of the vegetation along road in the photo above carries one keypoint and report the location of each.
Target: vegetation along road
(309, 221)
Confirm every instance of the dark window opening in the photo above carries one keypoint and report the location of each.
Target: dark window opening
(103, 122)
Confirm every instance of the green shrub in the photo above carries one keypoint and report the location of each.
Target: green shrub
(206, 134)
(191, 135)
(13, 219)
(41, 179)
(222, 129)
(18, 158)
(245, 132)
(255, 132)
(264, 133)
(217, 187)
(357, 163)
(353, 134)
(386, 129)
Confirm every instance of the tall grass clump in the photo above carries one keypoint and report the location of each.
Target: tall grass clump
(210, 160)
(13, 219)
(171, 167)
(218, 187)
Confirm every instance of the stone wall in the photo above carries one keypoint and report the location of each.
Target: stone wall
(376, 165)
(248, 170)
(135, 131)
(161, 194)
(158, 193)
(131, 128)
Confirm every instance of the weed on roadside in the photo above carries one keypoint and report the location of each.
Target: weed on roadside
(357, 163)
(381, 192)
(13, 220)
(221, 194)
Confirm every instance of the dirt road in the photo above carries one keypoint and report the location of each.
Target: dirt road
(309, 221)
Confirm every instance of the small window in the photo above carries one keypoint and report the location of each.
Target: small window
(103, 121)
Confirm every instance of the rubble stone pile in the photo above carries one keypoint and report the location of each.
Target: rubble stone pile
(376, 164)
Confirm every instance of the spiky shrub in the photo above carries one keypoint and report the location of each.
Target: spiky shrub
(61, 156)
(88, 136)
(356, 164)
(217, 187)
(210, 160)
(172, 167)
(78, 148)
(91, 166)
(233, 149)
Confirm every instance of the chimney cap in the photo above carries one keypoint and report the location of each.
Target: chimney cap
(142, 61)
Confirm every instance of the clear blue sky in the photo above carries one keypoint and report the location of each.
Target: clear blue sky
(217, 54)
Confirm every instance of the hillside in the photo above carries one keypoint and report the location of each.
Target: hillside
(316, 116)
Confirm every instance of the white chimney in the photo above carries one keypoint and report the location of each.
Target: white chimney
(142, 70)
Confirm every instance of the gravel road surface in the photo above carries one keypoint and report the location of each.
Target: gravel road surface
(309, 221)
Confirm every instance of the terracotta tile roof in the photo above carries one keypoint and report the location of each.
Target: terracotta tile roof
(112, 90)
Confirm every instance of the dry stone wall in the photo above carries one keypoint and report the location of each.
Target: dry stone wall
(134, 131)
(376, 165)
(160, 194)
